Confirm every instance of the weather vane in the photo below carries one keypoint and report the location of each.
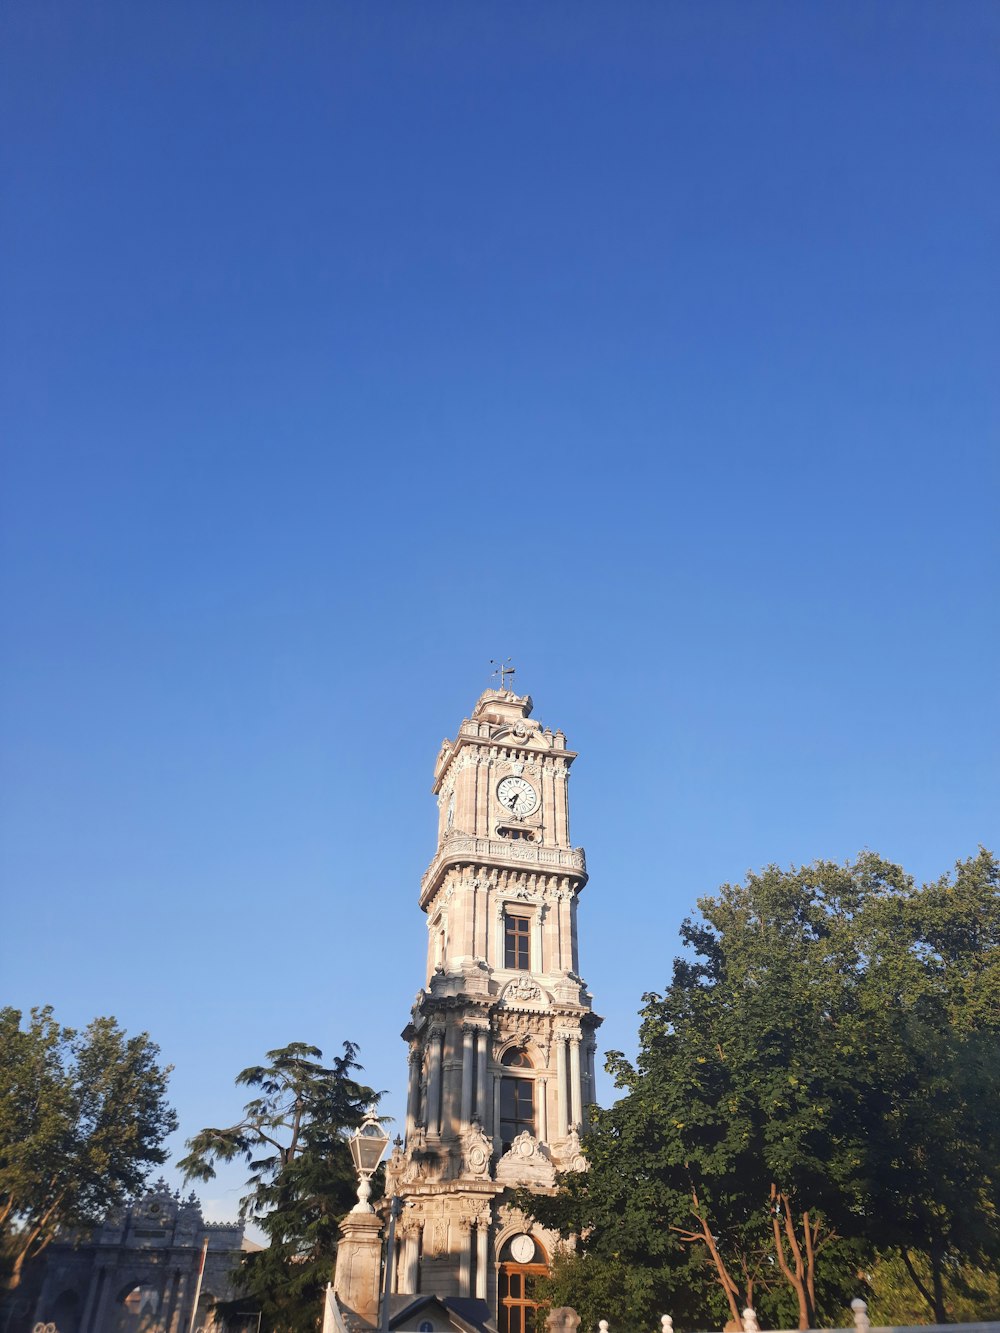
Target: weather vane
(502, 670)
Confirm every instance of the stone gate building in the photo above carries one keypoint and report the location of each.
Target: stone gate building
(138, 1272)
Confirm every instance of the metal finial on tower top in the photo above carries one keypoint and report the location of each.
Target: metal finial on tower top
(502, 670)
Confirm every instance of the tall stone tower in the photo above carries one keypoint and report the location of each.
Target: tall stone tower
(501, 1041)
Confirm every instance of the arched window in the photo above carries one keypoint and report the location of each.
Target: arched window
(517, 1098)
(522, 1262)
(516, 1058)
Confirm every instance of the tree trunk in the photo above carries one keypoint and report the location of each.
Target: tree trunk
(705, 1237)
(937, 1278)
(798, 1279)
(14, 1276)
(915, 1279)
(29, 1249)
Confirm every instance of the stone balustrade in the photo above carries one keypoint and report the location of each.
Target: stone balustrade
(464, 847)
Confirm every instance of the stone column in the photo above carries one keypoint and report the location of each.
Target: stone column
(161, 1312)
(482, 1255)
(411, 1258)
(413, 1091)
(464, 1257)
(561, 820)
(562, 1109)
(574, 942)
(171, 1309)
(542, 1086)
(592, 1071)
(549, 797)
(101, 1319)
(435, 1043)
(566, 930)
(481, 828)
(475, 913)
(484, 1041)
(536, 941)
(498, 957)
(468, 1045)
(451, 1073)
(496, 1112)
(91, 1297)
(574, 1082)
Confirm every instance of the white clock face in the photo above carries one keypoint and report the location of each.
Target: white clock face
(522, 1249)
(518, 796)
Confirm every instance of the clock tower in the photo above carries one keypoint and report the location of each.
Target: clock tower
(501, 1039)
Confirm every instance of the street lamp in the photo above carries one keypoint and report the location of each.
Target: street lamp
(367, 1144)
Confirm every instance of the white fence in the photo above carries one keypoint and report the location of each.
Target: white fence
(862, 1324)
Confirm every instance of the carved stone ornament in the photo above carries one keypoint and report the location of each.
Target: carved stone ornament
(394, 1169)
(478, 1150)
(436, 1237)
(521, 991)
(526, 1162)
(573, 1152)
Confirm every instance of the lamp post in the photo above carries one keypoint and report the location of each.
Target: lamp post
(395, 1208)
(367, 1144)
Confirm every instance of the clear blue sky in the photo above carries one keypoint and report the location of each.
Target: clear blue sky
(345, 347)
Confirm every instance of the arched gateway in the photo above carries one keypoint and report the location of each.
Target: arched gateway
(501, 1041)
(142, 1270)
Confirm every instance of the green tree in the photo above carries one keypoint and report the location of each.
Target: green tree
(816, 1082)
(933, 1006)
(293, 1137)
(83, 1116)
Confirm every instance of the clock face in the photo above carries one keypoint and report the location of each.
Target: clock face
(518, 796)
(522, 1249)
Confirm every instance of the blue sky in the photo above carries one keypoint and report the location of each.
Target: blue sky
(346, 347)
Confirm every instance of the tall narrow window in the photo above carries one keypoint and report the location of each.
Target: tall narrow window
(517, 1100)
(515, 941)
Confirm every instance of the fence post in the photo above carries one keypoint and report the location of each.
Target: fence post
(750, 1324)
(602, 1326)
(861, 1321)
(666, 1324)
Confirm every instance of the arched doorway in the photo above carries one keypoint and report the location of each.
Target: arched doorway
(137, 1309)
(522, 1263)
(64, 1312)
